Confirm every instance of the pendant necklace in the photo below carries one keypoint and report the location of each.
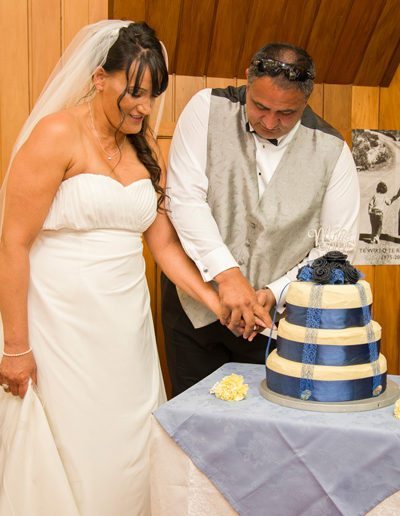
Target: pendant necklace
(108, 156)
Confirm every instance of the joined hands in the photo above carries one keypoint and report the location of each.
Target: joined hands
(243, 310)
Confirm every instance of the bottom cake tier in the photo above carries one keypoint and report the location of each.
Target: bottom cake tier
(326, 383)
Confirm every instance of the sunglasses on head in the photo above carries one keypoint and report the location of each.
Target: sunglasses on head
(273, 67)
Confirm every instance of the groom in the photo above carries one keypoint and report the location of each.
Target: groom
(253, 174)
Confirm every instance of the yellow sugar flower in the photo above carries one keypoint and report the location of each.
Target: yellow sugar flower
(396, 410)
(230, 388)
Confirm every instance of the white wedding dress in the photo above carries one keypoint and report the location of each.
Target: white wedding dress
(92, 336)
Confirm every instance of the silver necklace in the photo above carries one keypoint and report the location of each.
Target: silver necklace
(108, 156)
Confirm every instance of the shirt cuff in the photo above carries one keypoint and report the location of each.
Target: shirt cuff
(278, 288)
(216, 261)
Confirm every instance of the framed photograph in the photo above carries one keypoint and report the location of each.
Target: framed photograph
(377, 157)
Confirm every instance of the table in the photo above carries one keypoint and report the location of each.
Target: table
(180, 487)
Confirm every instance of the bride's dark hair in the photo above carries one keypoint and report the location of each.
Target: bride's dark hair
(138, 42)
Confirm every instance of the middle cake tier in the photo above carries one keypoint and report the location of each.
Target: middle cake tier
(347, 346)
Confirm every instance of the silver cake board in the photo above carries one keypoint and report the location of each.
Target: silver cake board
(391, 394)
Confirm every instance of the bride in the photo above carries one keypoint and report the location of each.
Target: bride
(86, 181)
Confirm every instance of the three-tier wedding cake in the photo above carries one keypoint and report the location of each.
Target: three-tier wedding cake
(328, 347)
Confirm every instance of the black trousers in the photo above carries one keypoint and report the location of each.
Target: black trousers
(193, 354)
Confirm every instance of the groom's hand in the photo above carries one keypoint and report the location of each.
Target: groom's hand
(239, 303)
(237, 298)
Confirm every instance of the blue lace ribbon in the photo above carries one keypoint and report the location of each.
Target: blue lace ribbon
(329, 355)
(329, 318)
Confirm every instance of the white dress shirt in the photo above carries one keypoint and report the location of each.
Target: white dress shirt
(187, 186)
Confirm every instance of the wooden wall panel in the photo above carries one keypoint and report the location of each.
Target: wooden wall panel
(389, 112)
(98, 10)
(355, 35)
(365, 107)
(326, 32)
(128, 10)
(387, 296)
(218, 37)
(75, 15)
(32, 35)
(14, 77)
(264, 20)
(392, 67)
(231, 21)
(381, 46)
(387, 312)
(365, 115)
(219, 82)
(185, 88)
(163, 17)
(196, 24)
(44, 44)
(316, 100)
(298, 21)
(337, 108)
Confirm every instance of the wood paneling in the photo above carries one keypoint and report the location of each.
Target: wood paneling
(129, 10)
(381, 46)
(14, 77)
(365, 107)
(389, 112)
(75, 15)
(387, 296)
(32, 36)
(185, 88)
(44, 44)
(98, 10)
(163, 16)
(337, 108)
(316, 100)
(219, 82)
(264, 20)
(230, 21)
(391, 68)
(325, 35)
(387, 312)
(297, 21)
(351, 41)
(355, 35)
(195, 27)
(365, 115)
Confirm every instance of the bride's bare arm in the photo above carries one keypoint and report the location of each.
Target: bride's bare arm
(167, 251)
(36, 173)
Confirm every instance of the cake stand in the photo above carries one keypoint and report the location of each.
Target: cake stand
(391, 394)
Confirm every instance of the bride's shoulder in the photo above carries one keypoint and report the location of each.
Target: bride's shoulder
(60, 124)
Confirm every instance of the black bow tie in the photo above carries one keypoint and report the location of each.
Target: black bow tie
(274, 141)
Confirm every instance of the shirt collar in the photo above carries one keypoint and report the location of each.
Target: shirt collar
(283, 140)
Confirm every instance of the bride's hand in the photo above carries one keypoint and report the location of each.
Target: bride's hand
(266, 299)
(15, 373)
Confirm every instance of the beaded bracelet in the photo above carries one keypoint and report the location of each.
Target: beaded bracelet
(17, 354)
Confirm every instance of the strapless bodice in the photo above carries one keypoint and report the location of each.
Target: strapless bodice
(93, 201)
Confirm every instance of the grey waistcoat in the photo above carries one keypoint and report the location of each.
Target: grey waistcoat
(269, 235)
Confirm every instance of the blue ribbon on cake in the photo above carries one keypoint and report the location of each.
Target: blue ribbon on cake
(330, 318)
(328, 355)
(325, 391)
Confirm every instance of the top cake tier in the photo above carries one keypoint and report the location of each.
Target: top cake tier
(333, 296)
